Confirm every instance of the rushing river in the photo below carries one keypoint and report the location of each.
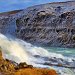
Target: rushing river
(46, 57)
(69, 52)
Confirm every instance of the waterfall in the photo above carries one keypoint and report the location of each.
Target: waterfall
(20, 51)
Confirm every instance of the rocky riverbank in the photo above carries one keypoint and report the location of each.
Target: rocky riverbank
(8, 67)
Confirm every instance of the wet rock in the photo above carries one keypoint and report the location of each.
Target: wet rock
(23, 65)
(29, 66)
(51, 24)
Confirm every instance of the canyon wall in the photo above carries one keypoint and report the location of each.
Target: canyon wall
(51, 24)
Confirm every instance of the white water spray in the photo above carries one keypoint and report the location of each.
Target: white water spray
(20, 51)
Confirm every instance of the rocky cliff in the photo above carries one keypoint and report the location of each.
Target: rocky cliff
(51, 24)
(8, 22)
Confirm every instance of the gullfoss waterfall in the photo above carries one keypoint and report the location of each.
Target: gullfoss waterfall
(20, 51)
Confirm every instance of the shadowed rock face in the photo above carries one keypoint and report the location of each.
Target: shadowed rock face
(50, 24)
(8, 22)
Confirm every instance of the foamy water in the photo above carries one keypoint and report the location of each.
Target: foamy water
(20, 51)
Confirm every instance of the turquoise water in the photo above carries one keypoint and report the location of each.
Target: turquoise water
(64, 51)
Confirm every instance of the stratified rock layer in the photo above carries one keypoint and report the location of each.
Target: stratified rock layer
(51, 24)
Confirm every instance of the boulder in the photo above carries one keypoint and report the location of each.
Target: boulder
(23, 65)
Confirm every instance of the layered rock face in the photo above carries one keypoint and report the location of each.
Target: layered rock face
(50, 24)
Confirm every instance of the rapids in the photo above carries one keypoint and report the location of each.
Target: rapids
(20, 51)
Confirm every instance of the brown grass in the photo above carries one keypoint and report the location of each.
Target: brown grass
(35, 71)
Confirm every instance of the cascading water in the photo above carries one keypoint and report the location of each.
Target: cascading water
(20, 51)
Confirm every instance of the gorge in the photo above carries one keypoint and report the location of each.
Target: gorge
(51, 24)
(25, 33)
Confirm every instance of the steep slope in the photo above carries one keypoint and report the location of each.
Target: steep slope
(51, 24)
